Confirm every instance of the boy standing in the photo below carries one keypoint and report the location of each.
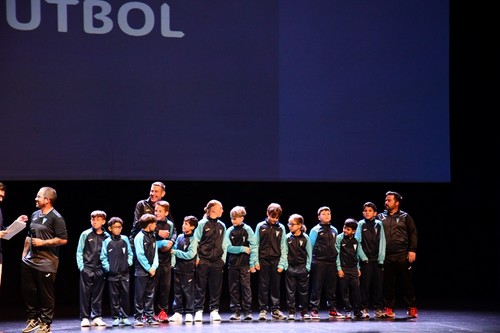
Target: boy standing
(92, 277)
(370, 233)
(324, 264)
(270, 239)
(184, 263)
(348, 268)
(116, 258)
(299, 265)
(145, 269)
(165, 230)
(240, 263)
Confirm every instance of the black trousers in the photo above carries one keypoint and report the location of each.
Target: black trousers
(38, 293)
(297, 288)
(163, 282)
(240, 292)
(91, 292)
(398, 275)
(349, 289)
(184, 286)
(211, 273)
(371, 285)
(269, 284)
(119, 297)
(323, 280)
(144, 291)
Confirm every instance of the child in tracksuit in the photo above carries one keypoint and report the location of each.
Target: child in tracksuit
(165, 230)
(116, 258)
(212, 250)
(241, 254)
(348, 268)
(323, 277)
(146, 250)
(270, 238)
(92, 277)
(371, 235)
(184, 263)
(299, 265)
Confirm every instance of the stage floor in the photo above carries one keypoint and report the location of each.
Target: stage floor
(428, 321)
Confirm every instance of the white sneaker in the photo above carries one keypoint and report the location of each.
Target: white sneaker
(85, 322)
(189, 318)
(175, 317)
(198, 316)
(98, 322)
(215, 316)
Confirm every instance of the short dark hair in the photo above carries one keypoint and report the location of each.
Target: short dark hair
(371, 205)
(114, 220)
(396, 195)
(351, 223)
(146, 220)
(192, 220)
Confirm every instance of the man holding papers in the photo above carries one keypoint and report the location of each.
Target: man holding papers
(13, 229)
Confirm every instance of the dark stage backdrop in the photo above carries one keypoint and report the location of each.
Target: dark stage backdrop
(225, 90)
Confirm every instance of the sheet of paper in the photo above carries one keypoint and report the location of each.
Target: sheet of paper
(14, 228)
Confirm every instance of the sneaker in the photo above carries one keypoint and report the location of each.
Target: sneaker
(412, 313)
(126, 322)
(365, 313)
(263, 315)
(198, 316)
(43, 328)
(379, 313)
(162, 316)
(291, 316)
(98, 322)
(358, 315)
(116, 322)
(347, 315)
(138, 322)
(31, 325)
(389, 313)
(152, 321)
(84, 323)
(247, 315)
(215, 316)
(306, 316)
(189, 318)
(314, 314)
(278, 315)
(334, 314)
(235, 316)
(178, 317)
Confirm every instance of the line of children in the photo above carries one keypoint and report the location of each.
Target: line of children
(198, 258)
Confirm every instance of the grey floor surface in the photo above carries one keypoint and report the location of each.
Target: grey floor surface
(428, 321)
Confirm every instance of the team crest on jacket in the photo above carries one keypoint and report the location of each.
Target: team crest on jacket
(123, 250)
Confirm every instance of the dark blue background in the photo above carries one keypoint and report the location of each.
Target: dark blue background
(254, 91)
